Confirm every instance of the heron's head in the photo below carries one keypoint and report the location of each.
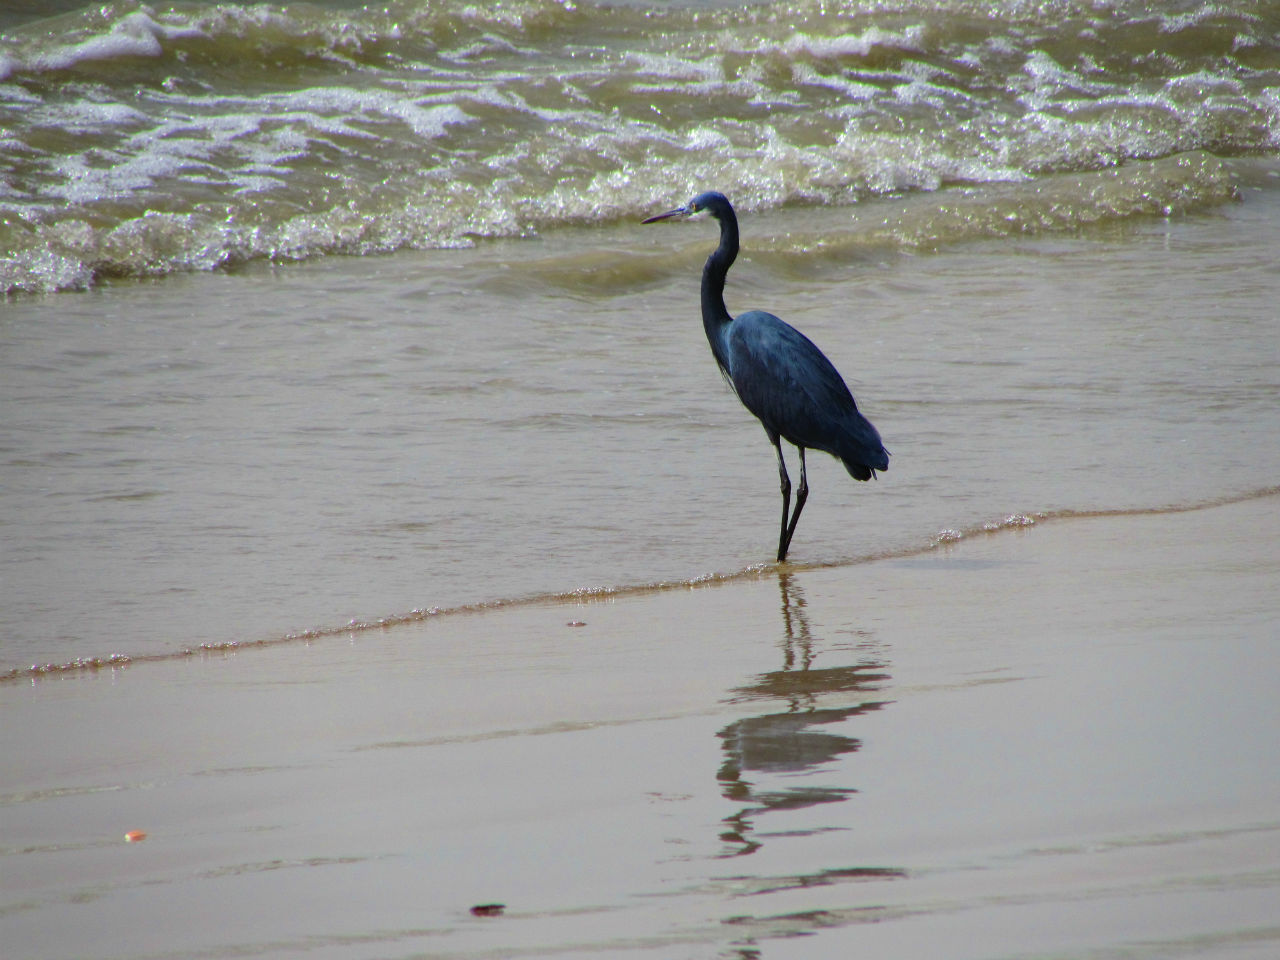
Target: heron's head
(712, 202)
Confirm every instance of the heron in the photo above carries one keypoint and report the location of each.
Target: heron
(780, 375)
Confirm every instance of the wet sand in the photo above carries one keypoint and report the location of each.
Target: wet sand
(1050, 741)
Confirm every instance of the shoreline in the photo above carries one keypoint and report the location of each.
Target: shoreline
(945, 537)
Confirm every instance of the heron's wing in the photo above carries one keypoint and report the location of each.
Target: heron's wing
(786, 381)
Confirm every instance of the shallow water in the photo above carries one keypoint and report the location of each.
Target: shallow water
(217, 458)
(1040, 255)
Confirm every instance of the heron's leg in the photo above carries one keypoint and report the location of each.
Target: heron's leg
(785, 484)
(802, 494)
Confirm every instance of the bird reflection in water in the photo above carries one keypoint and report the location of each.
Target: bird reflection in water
(792, 740)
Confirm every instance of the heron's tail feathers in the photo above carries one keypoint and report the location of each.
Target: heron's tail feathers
(863, 453)
(860, 471)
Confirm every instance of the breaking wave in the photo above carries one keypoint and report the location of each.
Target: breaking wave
(138, 142)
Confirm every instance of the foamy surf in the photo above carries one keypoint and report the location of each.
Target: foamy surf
(143, 142)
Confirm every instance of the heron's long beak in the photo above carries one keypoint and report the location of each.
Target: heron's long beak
(677, 212)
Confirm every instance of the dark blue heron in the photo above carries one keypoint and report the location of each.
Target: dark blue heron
(779, 375)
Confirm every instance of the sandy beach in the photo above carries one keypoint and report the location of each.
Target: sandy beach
(1055, 740)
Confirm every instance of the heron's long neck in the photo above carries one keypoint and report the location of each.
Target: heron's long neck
(715, 318)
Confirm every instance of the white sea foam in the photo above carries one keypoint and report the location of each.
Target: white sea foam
(857, 90)
(369, 130)
(670, 67)
(134, 35)
(846, 44)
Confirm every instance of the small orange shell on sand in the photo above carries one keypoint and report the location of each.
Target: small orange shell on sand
(135, 836)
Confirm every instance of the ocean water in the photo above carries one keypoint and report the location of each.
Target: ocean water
(327, 316)
(141, 140)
